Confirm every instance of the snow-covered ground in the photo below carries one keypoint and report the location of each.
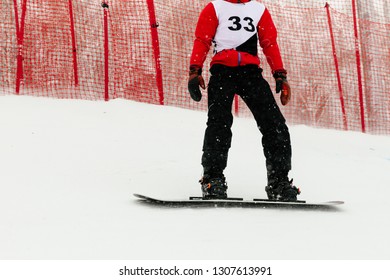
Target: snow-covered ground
(69, 169)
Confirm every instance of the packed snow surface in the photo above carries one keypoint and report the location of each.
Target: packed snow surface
(69, 169)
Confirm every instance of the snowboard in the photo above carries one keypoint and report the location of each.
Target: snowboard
(195, 202)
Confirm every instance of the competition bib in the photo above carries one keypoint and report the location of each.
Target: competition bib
(237, 27)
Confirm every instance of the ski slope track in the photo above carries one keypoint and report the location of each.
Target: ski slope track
(69, 169)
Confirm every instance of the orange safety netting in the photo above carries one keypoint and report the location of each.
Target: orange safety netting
(337, 57)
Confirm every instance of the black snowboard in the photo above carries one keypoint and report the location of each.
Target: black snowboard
(194, 202)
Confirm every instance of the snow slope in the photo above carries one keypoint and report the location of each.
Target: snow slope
(69, 169)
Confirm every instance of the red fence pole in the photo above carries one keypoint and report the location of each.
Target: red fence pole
(74, 49)
(20, 37)
(106, 50)
(358, 64)
(156, 49)
(336, 64)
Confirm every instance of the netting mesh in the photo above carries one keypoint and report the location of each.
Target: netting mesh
(132, 65)
(8, 48)
(139, 50)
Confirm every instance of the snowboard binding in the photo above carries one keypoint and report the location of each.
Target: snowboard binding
(282, 191)
(213, 188)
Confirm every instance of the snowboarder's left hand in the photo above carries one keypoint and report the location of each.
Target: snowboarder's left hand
(282, 86)
(195, 81)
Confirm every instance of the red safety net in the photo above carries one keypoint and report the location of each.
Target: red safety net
(336, 56)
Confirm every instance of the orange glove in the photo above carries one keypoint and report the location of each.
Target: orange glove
(195, 81)
(282, 86)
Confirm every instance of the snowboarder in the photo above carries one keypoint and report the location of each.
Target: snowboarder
(235, 27)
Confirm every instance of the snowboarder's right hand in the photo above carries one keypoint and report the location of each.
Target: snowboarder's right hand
(195, 81)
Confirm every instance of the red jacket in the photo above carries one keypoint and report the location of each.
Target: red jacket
(234, 30)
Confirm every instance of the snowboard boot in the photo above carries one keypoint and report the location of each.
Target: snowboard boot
(213, 188)
(282, 191)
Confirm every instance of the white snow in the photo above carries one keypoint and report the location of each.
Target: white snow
(69, 169)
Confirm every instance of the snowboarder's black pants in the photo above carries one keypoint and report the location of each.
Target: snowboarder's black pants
(249, 84)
